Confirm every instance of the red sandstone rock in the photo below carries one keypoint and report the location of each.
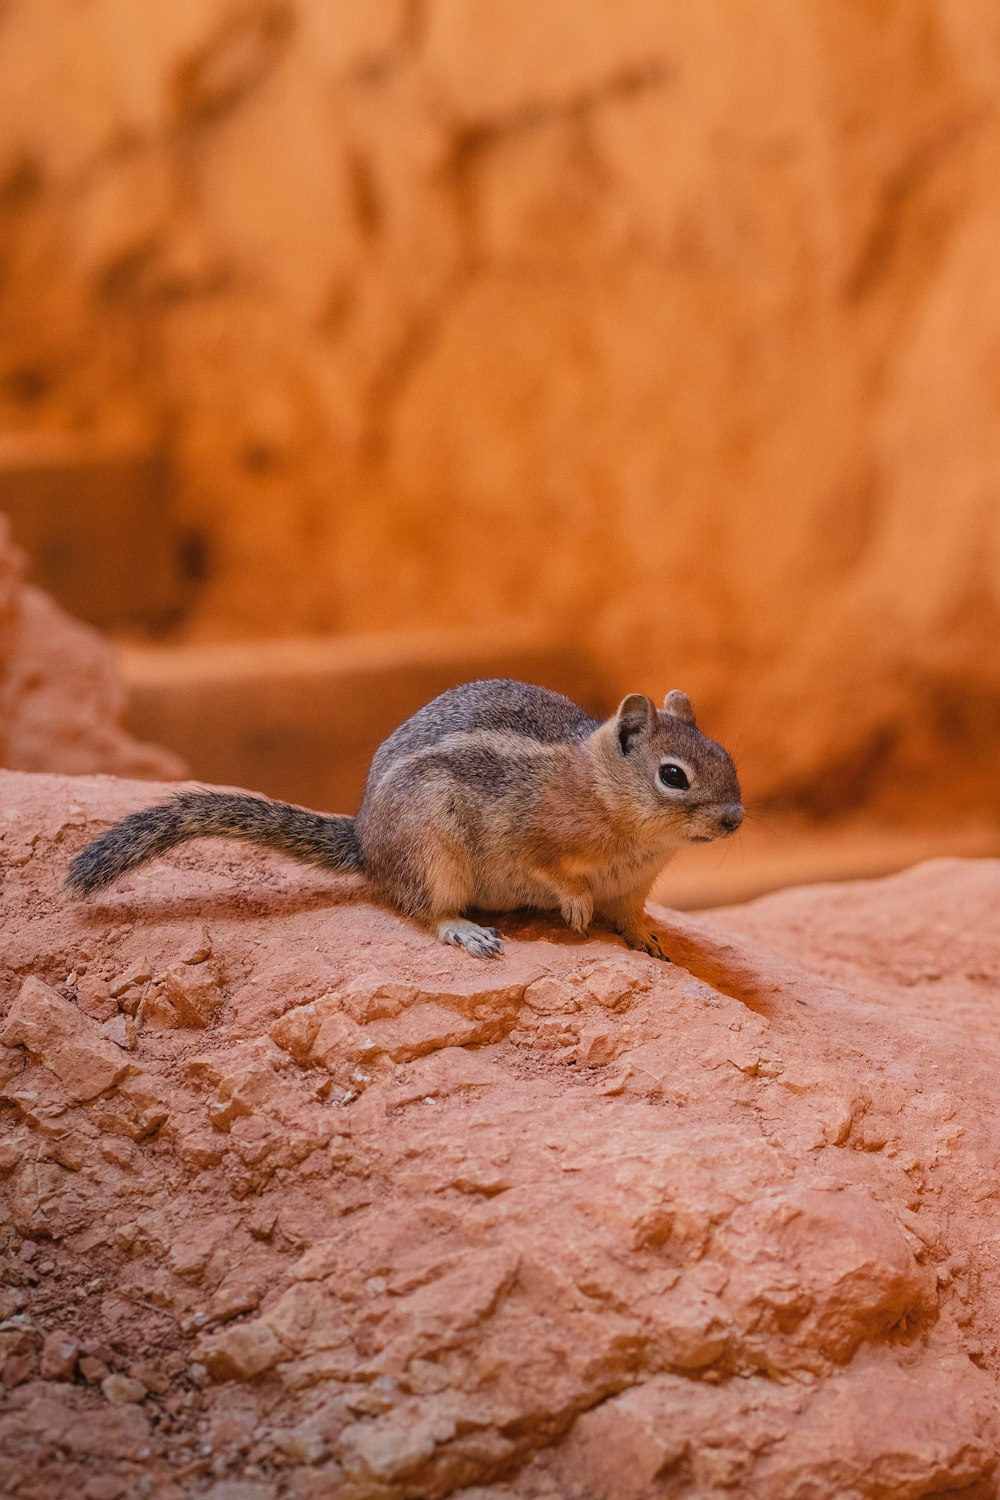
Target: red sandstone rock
(59, 1356)
(64, 1039)
(122, 1390)
(573, 1225)
(61, 696)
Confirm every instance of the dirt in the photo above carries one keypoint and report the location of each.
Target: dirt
(300, 1203)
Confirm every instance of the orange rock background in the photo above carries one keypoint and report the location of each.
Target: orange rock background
(668, 330)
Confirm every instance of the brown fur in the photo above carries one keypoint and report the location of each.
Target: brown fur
(496, 795)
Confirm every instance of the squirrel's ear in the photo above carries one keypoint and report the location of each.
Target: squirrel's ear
(636, 718)
(679, 705)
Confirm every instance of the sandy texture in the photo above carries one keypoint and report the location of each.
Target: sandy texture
(61, 693)
(303, 1204)
(673, 325)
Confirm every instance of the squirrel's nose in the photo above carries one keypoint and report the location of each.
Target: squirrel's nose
(731, 817)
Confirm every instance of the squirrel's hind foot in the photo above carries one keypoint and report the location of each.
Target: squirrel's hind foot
(481, 942)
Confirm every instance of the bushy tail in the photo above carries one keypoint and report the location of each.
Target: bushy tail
(318, 838)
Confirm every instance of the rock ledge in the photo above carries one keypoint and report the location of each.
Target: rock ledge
(303, 1204)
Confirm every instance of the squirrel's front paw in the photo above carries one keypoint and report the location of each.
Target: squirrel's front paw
(645, 940)
(481, 942)
(576, 912)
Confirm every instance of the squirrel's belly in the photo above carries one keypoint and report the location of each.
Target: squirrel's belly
(507, 890)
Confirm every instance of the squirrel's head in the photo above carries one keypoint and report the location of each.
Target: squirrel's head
(657, 764)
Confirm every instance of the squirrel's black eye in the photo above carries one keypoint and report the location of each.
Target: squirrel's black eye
(674, 776)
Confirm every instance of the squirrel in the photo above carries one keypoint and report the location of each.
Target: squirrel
(494, 796)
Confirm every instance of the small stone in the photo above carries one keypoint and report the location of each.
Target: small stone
(119, 1152)
(302, 1446)
(551, 997)
(156, 1011)
(93, 1370)
(117, 1030)
(16, 1369)
(149, 1376)
(612, 989)
(122, 1390)
(262, 1222)
(149, 1100)
(66, 1041)
(201, 949)
(138, 975)
(60, 1352)
(200, 1149)
(195, 996)
(232, 1298)
(241, 1352)
(12, 1301)
(597, 1047)
(94, 998)
(10, 1156)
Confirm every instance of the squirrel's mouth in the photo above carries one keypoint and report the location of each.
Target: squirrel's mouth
(700, 838)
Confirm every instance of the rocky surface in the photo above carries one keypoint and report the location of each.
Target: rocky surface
(61, 693)
(300, 1203)
(673, 325)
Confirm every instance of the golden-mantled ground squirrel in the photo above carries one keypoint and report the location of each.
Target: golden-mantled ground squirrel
(495, 796)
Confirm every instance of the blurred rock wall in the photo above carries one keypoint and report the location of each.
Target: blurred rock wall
(675, 328)
(62, 699)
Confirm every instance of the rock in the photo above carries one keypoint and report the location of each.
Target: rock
(136, 978)
(105, 1435)
(149, 1376)
(447, 1071)
(16, 1368)
(200, 948)
(755, 1255)
(65, 1041)
(137, 1109)
(60, 1352)
(122, 1390)
(94, 998)
(598, 1045)
(865, 1277)
(194, 994)
(236, 1295)
(623, 1447)
(156, 1012)
(241, 1352)
(60, 688)
(243, 1489)
(119, 1031)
